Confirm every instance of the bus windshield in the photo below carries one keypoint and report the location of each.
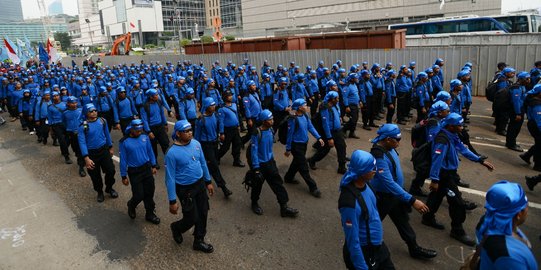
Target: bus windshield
(514, 24)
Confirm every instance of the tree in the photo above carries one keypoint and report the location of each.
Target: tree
(207, 39)
(185, 42)
(64, 39)
(229, 38)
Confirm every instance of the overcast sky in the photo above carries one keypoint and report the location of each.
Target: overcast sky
(70, 6)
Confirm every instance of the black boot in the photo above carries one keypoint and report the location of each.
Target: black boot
(257, 209)
(418, 252)
(199, 244)
(286, 211)
(341, 168)
(226, 191)
(67, 160)
(532, 181)
(131, 211)
(152, 218)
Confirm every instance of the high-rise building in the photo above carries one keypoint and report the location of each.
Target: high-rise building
(55, 8)
(183, 16)
(264, 17)
(87, 7)
(228, 11)
(12, 11)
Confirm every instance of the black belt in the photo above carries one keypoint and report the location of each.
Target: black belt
(139, 169)
(98, 151)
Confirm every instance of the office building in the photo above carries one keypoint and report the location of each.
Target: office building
(11, 11)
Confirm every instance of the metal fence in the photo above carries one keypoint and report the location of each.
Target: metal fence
(484, 59)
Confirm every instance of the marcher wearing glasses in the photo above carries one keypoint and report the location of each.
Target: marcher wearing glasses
(186, 177)
(97, 151)
(388, 183)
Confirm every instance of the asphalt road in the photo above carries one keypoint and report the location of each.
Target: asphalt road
(241, 239)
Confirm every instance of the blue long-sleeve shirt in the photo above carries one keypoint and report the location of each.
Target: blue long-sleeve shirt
(330, 120)
(41, 109)
(125, 108)
(365, 88)
(298, 128)
(252, 105)
(422, 92)
(445, 149)
(465, 94)
(389, 178)
(354, 226)
(456, 104)
(54, 112)
(377, 82)
(299, 91)
(135, 152)
(437, 85)
(105, 104)
(229, 116)
(281, 100)
(517, 96)
(534, 114)
(265, 90)
(155, 115)
(351, 95)
(72, 119)
(185, 165)
(95, 137)
(512, 253)
(403, 84)
(206, 128)
(262, 143)
(390, 91)
(26, 105)
(187, 109)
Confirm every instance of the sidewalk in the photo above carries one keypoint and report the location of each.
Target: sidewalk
(37, 230)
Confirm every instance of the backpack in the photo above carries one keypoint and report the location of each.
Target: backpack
(283, 128)
(502, 99)
(491, 89)
(249, 148)
(378, 152)
(419, 132)
(421, 157)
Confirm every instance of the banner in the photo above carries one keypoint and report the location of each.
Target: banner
(29, 47)
(43, 55)
(12, 54)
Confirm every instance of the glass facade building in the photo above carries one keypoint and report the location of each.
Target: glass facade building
(183, 15)
(12, 11)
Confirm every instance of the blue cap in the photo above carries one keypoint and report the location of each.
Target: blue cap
(330, 95)
(422, 75)
(207, 102)
(352, 76)
(121, 89)
(402, 67)
(412, 63)
(453, 119)
(361, 163)
(341, 70)
(308, 67)
(439, 106)
(72, 99)
(508, 70)
(283, 80)
(375, 65)
(387, 131)
(462, 73)
(89, 107)
(250, 83)
(298, 103)
(364, 72)
(443, 96)
(264, 115)
(389, 73)
(181, 125)
(55, 93)
(265, 75)
(331, 83)
(151, 92)
(325, 69)
(189, 91)
(523, 75)
(321, 62)
(102, 89)
(300, 76)
(429, 70)
(26, 91)
(136, 124)
(454, 83)
(438, 61)
(468, 64)
(47, 92)
(435, 67)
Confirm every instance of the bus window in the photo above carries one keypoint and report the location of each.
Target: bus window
(536, 23)
(514, 24)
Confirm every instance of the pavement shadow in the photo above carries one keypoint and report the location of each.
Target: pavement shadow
(115, 232)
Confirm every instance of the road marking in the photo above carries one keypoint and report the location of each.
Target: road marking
(483, 194)
(501, 141)
(117, 159)
(489, 145)
(11, 183)
(27, 206)
(481, 116)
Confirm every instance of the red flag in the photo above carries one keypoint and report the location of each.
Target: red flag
(11, 53)
(49, 46)
(132, 25)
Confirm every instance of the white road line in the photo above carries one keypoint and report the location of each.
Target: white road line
(481, 116)
(483, 194)
(489, 145)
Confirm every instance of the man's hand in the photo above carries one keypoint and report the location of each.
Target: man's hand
(434, 186)
(391, 106)
(249, 122)
(321, 142)
(151, 136)
(330, 142)
(518, 118)
(125, 181)
(117, 126)
(173, 208)
(170, 114)
(166, 127)
(154, 170)
(287, 153)
(111, 151)
(420, 207)
(210, 188)
(222, 137)
(488, 165)
(348, 110)
(89, 164)
(423, 110)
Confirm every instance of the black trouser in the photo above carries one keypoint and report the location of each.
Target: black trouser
(402, 106)
(420, 114)
(251, 130)
(419, 180)
(59, 131)
(195, 206)
(102, 162)
(367, 111)
(381, 257)
(513, 129)
(109, 116)
(172, 102)
(390, 112)
(210, 150)
(410, 102)
(502, 118)
(142, 187)
(467, 107)
(536, 148)
(72, 138)
(272, 176)
(447, 188)
(124, 123)
(351, 125)
(314, 105)
(231, 137)
(299, 164)
(398, 211)
(267, 102)
(160, 136)
(465, 138)
(378, 101)
(43, 130)
(339, 144)
(26, 122)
